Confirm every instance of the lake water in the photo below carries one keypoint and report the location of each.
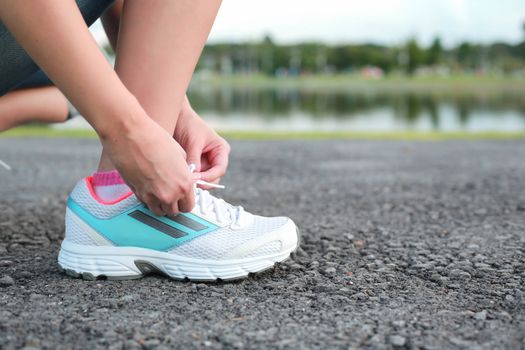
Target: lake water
(296, 110)
(252, 109)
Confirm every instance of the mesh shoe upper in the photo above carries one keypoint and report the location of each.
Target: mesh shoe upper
(216, 244)
(220, 242)
(84, 198)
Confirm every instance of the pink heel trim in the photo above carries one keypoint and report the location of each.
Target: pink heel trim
(107, 178)
(89, 184)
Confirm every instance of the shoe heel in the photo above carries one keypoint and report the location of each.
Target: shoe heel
(92, 267)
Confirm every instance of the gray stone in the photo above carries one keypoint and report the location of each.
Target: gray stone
(6, 263)
(329, 270)
(480, 316)
(7, 281)
(397, 340)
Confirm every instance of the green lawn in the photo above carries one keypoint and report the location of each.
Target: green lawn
(462, 84)
(43, 131)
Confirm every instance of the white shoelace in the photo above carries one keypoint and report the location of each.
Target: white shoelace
(207, 204)
(4, 164)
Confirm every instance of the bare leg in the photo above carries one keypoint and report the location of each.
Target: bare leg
(42, 104)
(158, 47)
(111, 22)
(204, 148)
(47, 104)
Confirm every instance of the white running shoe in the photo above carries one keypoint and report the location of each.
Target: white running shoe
(124, 240)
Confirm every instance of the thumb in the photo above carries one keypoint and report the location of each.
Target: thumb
(193, 155)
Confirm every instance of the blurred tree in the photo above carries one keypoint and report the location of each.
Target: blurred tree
(464, 54)
(266, 55)
(309, 53)
(434, 53)
(416, 56)
(270, 58)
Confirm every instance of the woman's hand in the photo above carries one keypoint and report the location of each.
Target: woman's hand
(153, 165)
(204, 148)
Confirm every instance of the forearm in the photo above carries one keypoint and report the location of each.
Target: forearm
(56, 37)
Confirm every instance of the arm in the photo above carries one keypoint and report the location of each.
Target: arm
(54, 34)
(56, 37)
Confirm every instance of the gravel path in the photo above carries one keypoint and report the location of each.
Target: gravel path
(405, 245)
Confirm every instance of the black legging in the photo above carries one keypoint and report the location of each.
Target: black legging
(17, 69)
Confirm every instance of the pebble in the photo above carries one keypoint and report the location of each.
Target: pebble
(126, 298)
(481, 211)
(397, 340)
(36, 297)
(151, 343)
(459, 274)
(360, 296)
(480, 316)
(479, 258)
(329, 270)
(6, 263)
(398, 323)
(7, 281)
(296, 267)
(24, 274)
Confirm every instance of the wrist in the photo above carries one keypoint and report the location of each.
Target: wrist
(121, 118)
(186, 108)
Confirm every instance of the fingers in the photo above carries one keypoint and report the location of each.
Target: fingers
(218, 159)
(193, 155)
(170, 209)
(170, 203)
(153, 205)
(184, 205)
(217, 170)
(187, 203)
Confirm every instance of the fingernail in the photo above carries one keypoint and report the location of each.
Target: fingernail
(196, 176)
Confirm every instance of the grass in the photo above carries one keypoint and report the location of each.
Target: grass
(456, 84)
(43, 131)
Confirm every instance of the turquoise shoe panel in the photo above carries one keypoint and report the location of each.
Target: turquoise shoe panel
(139, 227)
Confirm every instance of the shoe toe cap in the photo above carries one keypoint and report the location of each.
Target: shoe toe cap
(283, 238)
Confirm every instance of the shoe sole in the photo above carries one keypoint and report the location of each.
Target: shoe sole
(119, 263)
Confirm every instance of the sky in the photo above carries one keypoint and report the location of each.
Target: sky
(377, 21)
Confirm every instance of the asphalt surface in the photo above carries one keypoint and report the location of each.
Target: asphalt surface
(405, 245)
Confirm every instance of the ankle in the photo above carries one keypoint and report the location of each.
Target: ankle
(109, 185)
(107, 178)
